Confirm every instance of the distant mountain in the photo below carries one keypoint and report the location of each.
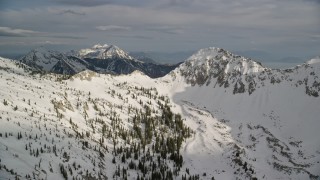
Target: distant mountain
(41, 59)
(110, 58)
(100, 58)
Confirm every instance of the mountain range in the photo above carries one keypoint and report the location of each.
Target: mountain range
(100, 58)
(215, 116)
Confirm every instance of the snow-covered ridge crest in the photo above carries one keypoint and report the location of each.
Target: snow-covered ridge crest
(206, 53)
(214, 62)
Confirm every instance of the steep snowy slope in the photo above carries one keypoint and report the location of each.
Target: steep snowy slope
(273, 115)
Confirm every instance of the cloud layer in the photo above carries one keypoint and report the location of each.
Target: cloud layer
(7, 31)
(73, 12)
(113, 28)
(278, 27)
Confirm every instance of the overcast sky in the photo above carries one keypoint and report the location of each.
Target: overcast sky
(280, 28)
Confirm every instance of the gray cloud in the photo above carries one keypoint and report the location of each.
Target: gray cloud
(136, 37)
(66, 37)
(178, 3)
(166, 29)
(23, 33)
(69, 11)
(141, 37)
(113, 28)
(50, 42)
(11, 32)
(85, 2)
(316, 1)
(92, 3)
(237, 37)
(175, 24)
(21, 43)
(7, 31)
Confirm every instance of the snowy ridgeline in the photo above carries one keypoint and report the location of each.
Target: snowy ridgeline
(186, 125)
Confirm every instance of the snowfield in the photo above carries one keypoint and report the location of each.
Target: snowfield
(228, 117)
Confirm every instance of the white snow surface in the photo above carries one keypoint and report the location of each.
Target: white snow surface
(274, 130)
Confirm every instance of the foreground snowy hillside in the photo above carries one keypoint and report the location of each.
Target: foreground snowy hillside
(91, 126)
(217, 115)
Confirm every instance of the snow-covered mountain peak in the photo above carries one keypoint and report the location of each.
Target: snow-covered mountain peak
(214, 62)
(210, 55)
(113, 51)
(105, 51)
(205, 54)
